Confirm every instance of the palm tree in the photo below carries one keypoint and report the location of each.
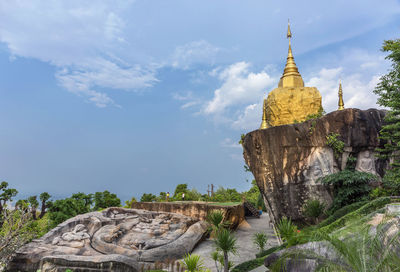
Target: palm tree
(225, 242)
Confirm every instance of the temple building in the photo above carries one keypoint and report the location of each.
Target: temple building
(291, 102)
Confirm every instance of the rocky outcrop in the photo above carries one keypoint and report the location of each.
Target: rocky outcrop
(287, 160)
(115, 239)
(234, 214)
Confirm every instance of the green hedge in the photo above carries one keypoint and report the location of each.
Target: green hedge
(364, 210)
(341, 212)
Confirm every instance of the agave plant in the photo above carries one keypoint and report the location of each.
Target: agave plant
(193, 263)
(260, 240)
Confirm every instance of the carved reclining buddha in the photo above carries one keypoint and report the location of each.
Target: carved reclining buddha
(127, 238)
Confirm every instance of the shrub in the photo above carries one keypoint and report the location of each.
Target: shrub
(260, 240)
(286, 229)
(349, 187)
(268, 251)
(335, 143)
(313, 209)
(193, 263)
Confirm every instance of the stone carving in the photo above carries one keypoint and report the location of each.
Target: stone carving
(75, 238)
(366, 162)
(125, 237)
(287, 160)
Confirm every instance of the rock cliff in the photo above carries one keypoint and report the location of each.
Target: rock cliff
(287, 160)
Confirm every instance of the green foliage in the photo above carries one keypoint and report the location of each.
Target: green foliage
(148, 198)
(319, 114)
(128, 203)
(349, 187)
(193, 263)
(335, 143)
(341, 212)
(313, 209)
(7, 194)
(226, 195)
(364, 210)
(104, 200)
(389, 97)
(225, 242)
(364, 252)
(242, 139)
(286, 229)
(379, 192)
(260, 240)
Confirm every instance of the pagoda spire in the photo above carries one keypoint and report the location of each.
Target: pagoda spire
(341, 103)
(264, 123)
(291, 76)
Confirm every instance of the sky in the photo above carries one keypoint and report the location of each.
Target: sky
(137, 96)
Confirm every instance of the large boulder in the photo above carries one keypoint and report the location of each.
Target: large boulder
(287, 160)
(116, 238)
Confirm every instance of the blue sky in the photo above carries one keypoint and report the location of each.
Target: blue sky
(138, 96)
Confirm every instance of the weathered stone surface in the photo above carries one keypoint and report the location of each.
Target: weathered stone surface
(290, 104)
(286, 161)
(115, 238)
(199, 210)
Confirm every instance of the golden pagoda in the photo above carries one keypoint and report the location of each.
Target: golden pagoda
(341, 103)
(264, 123)
(291, 101)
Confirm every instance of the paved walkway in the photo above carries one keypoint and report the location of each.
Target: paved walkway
(244, 236)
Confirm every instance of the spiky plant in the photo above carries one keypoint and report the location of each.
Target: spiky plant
(225, 242)
(260, 240)
(193, 263)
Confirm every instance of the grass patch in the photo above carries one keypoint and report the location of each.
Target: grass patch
(224, 203)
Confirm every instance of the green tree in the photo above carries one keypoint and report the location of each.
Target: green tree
(128, 203)
(44, 198)
(63, 209)
(86, 199)
(105, 199)
(32, 200)
(148, 197)
(6, 194)
(180, 188)
(260, 240)
(225, 242)
(389, 97)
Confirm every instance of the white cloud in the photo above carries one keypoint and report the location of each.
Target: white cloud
(250, 118)
(188, 98)
(239, 87)
(194, 53)
(81, 38)
(357, 90)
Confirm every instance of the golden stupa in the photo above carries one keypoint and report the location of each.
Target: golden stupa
(340, 103)
(291, 102)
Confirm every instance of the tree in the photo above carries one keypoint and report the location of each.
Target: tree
(32, 200)
(260, 240)
(105, 199)
(44, 198)
(148, 198)
(388, 90)
(6, 195)
(86, 199)
(226, 242)
(128, 203)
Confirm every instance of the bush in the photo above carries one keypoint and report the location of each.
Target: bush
(313, 209)
(349, 187)
(341, 212)
(260, 240)
(148, 198)
(335, 143)
(286, 229)
(364, 210)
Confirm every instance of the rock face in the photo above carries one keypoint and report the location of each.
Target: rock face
(115, 239)
(199, 210)
(290, 104)
(286, 161)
